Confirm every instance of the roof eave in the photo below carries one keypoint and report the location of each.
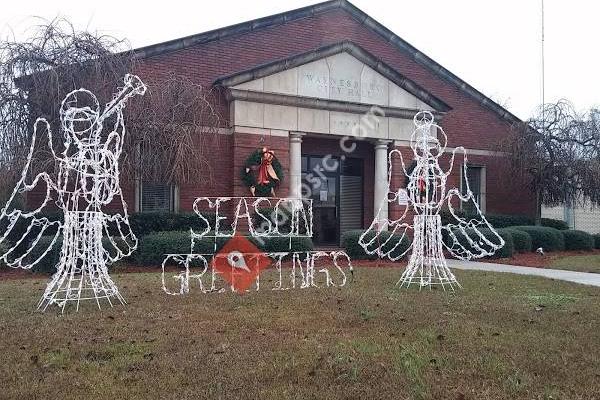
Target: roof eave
(356, 13)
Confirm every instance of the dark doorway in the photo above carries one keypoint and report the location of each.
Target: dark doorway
(335, 186)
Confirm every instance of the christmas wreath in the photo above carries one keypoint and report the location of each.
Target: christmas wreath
(269, 175)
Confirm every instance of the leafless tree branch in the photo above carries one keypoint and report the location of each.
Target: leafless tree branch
(558, 153)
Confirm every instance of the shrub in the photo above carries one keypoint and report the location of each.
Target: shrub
(141, 223)
(597, 240)
(549, 239)
(282, 219)
(48, 263)
(504, 252)
(578, 240)
(153, 247)
(508, 249)
(283, 244)
(20, 227)
(521, 240)
(3, 249)
(503, 221)
(555, 223)
(145, 223)
(356, 251)
(496, 220)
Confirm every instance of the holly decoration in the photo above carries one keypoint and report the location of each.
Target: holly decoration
(262, 173)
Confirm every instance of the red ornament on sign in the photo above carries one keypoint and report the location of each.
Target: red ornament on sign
(239, 262)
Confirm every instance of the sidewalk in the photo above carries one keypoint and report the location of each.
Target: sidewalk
(584, 278)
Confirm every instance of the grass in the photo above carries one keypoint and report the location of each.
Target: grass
(584, 263)
(501, 336)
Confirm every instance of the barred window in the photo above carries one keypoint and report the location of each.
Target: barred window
(156, 197)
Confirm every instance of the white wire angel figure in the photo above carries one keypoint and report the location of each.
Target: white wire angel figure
(86, 181)
(466, 238)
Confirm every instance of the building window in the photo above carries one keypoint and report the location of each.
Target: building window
(476, 179)
(156, 197)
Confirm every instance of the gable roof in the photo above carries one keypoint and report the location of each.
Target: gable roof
(329, 50)
(356, 13)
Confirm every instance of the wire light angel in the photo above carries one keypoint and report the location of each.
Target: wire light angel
(85, 181)
(464, 238)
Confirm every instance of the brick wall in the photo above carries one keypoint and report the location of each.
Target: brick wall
(468, 124)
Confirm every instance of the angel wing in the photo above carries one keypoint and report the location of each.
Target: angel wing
(470, 236)
(386, 237)
(27, 236)
(120, 241)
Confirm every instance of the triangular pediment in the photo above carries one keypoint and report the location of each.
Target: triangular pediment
(342, 72)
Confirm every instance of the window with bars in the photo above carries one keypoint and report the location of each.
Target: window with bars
(156, 197)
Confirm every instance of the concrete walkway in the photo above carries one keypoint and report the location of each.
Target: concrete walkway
(584, 278)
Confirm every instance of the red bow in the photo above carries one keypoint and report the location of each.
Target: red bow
(266, 172)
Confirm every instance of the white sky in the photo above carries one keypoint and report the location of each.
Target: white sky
(492, 45)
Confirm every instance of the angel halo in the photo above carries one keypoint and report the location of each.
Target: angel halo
(86, 179)
(466, 238)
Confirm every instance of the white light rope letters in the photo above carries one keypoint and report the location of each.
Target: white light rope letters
(306, 269)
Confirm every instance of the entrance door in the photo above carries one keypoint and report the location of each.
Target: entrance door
(324, 181)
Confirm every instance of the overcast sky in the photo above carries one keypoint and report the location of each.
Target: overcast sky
(493, 45)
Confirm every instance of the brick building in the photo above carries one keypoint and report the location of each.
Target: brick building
(299, 82)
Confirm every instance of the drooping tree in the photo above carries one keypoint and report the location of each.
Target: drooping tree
(557, 152)
(166, 128)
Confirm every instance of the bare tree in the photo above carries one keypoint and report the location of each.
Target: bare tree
(36, 74)
(172, 128)
(558, 153)
(166, 129)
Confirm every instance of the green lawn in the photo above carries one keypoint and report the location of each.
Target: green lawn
(588, 263)
(502, 336)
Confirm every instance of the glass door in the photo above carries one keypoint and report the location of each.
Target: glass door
(336, 188)
(320, 182)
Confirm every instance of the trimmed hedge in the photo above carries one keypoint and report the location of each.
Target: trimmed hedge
(555, 223)
(152, 248)
(282, 219)
(578, 240)
(496, 220)
(549, 239)
(356, 251)
(146, 223)
(597, 240)
(506, 220)
(505, 251)
(48, 263)
(3, 249)
(521, 240)
(508, 249)
(141, 223)
(283, 244)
